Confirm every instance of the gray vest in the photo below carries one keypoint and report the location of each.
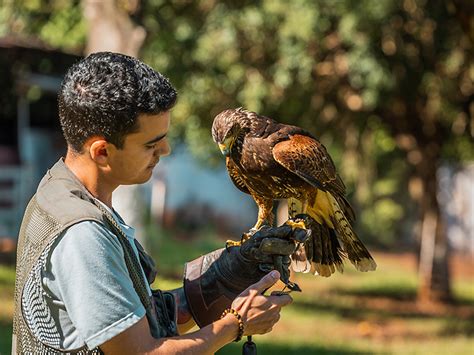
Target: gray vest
(61, 201)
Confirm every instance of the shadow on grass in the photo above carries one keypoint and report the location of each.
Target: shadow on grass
(455, 326)
(356, 311)
(464, 301)
(398, 293)
(288, 349)
(359, 308)
(393, 292)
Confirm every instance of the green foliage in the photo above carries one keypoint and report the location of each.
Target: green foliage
(65, 28)
(364, 77)
(59, 23)
(173, 252)
(356, 74)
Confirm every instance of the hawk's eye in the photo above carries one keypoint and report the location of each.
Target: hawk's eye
(228, 135)
(228, 141)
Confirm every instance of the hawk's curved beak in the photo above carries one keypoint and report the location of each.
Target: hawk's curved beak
(224, 149)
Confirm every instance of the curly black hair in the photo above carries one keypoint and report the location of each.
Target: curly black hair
(103, 95)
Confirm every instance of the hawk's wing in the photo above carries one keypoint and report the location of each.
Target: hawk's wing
(308, 158)
(235, 175)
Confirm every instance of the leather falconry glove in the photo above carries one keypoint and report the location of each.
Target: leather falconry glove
(214, 280)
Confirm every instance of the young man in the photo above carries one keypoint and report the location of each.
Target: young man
(82, 280)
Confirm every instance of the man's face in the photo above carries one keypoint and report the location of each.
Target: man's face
(134, 163)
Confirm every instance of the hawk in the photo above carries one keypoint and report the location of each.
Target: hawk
(270, 161)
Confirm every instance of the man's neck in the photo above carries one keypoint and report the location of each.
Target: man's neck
(89, 174)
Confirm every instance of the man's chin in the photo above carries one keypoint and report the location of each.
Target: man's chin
(146, 176)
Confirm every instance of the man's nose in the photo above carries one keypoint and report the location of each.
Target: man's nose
(164, 148)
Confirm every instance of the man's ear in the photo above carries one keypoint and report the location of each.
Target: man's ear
(98, 151)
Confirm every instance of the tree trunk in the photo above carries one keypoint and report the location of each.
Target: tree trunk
(110, 28)
(434, 277)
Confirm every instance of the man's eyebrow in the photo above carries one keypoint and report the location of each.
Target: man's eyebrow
(156, 139)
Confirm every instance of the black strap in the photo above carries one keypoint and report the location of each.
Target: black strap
(249, 347)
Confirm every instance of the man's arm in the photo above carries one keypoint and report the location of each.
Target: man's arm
(137, 340)
(259, 314)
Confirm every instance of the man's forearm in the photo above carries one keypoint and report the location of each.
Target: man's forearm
(207, 340)
(258, 313)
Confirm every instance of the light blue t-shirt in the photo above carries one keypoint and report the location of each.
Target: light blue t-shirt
(87, 285)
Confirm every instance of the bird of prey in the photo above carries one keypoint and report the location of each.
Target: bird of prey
(271, 161)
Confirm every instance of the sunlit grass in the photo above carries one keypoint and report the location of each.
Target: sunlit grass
(166, 284)
(464, 292)
(7, 284)
(349, 313)
(172, 253)
(6, 275)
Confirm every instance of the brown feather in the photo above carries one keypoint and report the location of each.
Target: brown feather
(308, 158)
(235, 176)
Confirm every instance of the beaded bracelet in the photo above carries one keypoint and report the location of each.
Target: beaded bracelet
(239, 319)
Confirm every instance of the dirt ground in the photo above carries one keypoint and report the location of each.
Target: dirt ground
(461, 265)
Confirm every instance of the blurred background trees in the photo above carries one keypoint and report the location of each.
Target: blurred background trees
(385, 85)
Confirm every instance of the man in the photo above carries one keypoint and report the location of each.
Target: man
(82, 280)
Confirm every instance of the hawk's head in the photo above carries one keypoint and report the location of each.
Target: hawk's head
(226, 128)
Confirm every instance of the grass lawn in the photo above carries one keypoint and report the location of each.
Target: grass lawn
(7, 284)
(352, 313)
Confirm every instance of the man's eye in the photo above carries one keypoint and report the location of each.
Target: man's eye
(152, 146)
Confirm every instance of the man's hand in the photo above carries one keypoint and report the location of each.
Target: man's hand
(260, 313)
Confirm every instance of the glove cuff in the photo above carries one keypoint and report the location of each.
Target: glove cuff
(214, 280)
(201, 289)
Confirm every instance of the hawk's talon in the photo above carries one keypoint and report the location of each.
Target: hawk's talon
(232, 243)
(245, 236)
(248, 235)
(292, 286)
(281, 293)
(296, 224)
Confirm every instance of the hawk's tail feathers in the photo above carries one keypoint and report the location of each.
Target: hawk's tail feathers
(332, 239)
(335, 239)
(322, 254)
(327, 255)
(356, 252)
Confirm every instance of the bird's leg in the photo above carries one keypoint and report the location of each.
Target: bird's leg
(265, 214)
(298, 207)
(261, 221)
(265, 206)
